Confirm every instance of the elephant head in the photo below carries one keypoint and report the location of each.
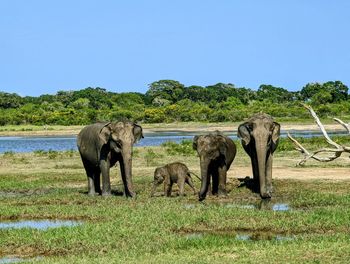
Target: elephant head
(212, 151)
(120, 137)
(260, 136)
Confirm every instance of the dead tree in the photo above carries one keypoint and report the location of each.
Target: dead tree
(334, 152)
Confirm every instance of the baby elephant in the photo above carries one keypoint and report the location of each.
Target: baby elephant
(172, 173)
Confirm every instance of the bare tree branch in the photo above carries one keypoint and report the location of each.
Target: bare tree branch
(336, 151)
(346, 126)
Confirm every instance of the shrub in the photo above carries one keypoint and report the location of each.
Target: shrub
(183, 148)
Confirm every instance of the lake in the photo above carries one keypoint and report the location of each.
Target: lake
(62, 143)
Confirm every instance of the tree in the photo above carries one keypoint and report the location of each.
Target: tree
(336, 89)
(8, 100)
(273, 94)
(170, 90)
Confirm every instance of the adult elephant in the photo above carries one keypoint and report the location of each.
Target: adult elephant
(216, 153)
(101, 145)
(260, 136)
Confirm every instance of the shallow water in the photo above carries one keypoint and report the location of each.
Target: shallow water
(261, 205)
(280, 207)
(39, 224)
(6, 260)
(64, 143)
(242, 236)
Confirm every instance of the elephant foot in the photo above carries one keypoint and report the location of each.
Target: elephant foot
(130, 195)
(201, 198)
(106, 194)
(222, 193)
(92, 193)
(266, 195)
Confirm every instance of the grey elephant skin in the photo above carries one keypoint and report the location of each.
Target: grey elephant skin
(216, 153)
(171, 173)
(101, 145)
(260, 135)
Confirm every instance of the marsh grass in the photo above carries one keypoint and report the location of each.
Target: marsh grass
(154, 230)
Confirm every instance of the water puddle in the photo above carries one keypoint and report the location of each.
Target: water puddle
(6, 260)
(262, 205)
(280, 207)
(38, 224)
(239, 235)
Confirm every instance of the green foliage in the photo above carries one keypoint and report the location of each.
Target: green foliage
(329, 92)
(184, 148)
(170, 101)
(9, 154)
(150, 156)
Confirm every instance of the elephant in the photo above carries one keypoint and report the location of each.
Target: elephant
(171, 173)
(260, 135)
(216, 153)
(101, 145)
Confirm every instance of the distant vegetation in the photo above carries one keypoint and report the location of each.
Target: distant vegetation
(170, 101)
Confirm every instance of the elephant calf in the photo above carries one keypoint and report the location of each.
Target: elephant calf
(216, 153)
(172, 173)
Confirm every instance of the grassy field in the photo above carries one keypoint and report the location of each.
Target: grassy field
(236, 229)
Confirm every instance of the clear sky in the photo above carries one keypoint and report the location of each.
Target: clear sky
(47, 46)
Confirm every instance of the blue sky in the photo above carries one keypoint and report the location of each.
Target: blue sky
(47, 46)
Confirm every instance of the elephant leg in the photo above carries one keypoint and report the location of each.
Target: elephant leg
(268, 174)
(106, 182)
(167, 188)
(181, 184)
(255, 168)
(155, 184)
(97, 183)
(90, 172)
(190, 183)
(222, 180)
(215, 182)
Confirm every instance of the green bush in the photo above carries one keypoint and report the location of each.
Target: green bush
(150, 156)
(184, 148)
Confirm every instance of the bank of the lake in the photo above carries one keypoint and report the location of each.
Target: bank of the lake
(31, 130)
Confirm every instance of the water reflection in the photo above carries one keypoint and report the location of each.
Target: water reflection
(263, 204)
(39, 224)
(239, 235)
(6, 260)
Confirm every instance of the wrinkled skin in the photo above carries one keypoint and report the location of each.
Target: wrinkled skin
(172, 173)
(260, 135)
(216, 153)
(101, 145)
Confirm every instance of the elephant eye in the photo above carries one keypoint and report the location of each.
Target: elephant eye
(119, 143)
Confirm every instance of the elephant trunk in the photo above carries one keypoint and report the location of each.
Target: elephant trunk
(205, 179)
(126, 172)
(261, 153)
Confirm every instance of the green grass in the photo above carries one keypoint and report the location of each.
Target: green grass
(168, 230)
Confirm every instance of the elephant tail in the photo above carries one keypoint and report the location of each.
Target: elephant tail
(190, 172)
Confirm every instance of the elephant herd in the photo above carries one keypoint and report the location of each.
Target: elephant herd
(101, 145)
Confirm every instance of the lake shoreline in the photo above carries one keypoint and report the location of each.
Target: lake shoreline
(74, 130)
(156, 128)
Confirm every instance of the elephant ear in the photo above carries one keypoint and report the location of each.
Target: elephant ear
(275, 135)
(222, 146)
(137, 131)
(195, 142)
(105, 133)
(244, 133)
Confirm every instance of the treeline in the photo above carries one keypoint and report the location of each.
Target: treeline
(170, 101)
